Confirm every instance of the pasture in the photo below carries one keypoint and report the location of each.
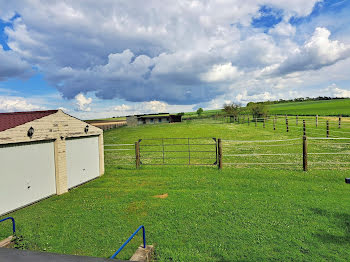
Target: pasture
(334, 107)
(240, 213)
(323, 108)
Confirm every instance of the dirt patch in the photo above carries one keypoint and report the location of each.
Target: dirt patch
(162, 196)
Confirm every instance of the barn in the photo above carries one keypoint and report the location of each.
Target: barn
(43, 153)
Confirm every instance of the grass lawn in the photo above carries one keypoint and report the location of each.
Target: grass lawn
(234, 214)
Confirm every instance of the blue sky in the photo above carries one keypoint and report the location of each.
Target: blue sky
(94, 61)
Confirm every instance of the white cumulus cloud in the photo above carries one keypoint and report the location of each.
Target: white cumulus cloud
(319, 51)
(334, 91)
(222, 72)
(16, 104)
(83, 103)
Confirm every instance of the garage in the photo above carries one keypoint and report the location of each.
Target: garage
(43, 153)
(82, 160)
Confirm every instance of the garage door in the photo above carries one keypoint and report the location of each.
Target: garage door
(82, 160)
(27, 174)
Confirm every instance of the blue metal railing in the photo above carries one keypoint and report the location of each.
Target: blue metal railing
(13, 224)
(127, 241)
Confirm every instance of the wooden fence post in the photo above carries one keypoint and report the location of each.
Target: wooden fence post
(137, 154)
(339, 124)
(256, 121)
(296, 120)
(248, 121)
(264, 123)
(304, 153)
(220, 153)
(327, 128)
(304, 127)
(274, 124)
(287, 124)
(316, 120)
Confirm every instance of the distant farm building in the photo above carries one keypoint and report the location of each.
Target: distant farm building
(107, 124)
(44, 153)
(152, 119)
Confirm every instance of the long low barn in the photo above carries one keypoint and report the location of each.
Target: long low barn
(43, 153)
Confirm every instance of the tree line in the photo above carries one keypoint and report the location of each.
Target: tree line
(257, 110)
(299, 99)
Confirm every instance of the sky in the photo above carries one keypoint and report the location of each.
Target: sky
(96, 59)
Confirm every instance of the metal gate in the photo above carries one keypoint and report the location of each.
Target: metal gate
(178, 151)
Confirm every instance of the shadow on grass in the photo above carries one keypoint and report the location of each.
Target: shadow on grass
(341, 220)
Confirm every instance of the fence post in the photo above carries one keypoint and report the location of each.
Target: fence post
(316, 120)
(296, 120)
(220, 153)
(339, 124)
(248, 121)
(304, 153)
(274, 124)
(264, 123)
(137, 154)
(327, 128)
(256, 121)
(287, 124)
(304, 127)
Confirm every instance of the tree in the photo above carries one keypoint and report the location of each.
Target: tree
(199, 111)
(232, 109)
(258, 110)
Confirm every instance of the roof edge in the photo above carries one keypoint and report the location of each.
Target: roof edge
(30, 112)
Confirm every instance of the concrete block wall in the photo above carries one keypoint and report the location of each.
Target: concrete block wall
(56, 127)
(131, 120)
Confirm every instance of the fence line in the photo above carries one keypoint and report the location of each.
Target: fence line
(227, 150)
(260, 141)
(267, 145)
(228, 146)
(124, 158)
(329, 138)
(119, 145)
(119, 149)
(238, 163)
(282, 154)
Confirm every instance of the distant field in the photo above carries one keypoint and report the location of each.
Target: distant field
(206, 113)
(322, 108)
(326, 108)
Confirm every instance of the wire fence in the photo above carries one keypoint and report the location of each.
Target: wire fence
(177, 151)
(119, 154)
(266, 153)
(316, 152)
(321, 153)
(308, 125)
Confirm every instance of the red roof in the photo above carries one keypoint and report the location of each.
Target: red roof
(10, 120)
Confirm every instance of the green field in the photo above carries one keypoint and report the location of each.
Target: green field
(240, 213)
(324, 108)
(306, 108)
